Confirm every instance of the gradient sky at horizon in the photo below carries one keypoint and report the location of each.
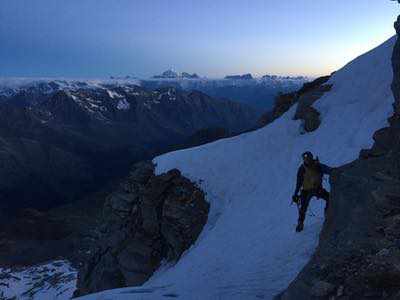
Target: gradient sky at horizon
(99, 38)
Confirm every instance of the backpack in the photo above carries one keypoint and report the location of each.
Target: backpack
(312, 176)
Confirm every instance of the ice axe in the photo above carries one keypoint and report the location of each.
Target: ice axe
(296, 199)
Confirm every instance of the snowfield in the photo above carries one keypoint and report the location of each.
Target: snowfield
(53, 280)
(12, 85)
(249, 248)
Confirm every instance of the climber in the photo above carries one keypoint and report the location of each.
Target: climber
(309, 178)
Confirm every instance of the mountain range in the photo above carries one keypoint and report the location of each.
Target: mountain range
(59, 139)
(260, 93)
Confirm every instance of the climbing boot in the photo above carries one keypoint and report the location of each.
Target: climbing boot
(299, 227)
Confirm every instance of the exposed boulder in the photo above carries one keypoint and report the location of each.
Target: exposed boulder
(149, 219)
(311, 120)
(305, 111)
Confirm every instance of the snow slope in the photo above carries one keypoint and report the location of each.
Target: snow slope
(249, 249)
(50, 281)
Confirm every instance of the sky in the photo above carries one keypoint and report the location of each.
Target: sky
(213, 38)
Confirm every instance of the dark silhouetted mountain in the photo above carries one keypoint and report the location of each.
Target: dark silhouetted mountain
(190, 76)
(59, 140)
(167, 74)
(240, 77)
(170, 74)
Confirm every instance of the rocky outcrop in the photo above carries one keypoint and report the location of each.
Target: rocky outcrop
(305, 111)
(358, 256)
(305, 97)
(149, 219)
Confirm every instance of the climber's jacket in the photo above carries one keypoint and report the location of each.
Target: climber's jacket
(309, 177)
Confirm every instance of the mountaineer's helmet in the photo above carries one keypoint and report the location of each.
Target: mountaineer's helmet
(307, 155)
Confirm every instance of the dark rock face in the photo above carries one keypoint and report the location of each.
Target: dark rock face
(358, 256)
(310, 86)
(305, 111)
(282, 105)
(150, 218)
(310, 116)
(396, 73)
(305, 97)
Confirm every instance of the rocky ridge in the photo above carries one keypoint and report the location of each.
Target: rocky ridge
(149, 219)
(171, 74)
(247, 76)
(305, 97)
(256, 92)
